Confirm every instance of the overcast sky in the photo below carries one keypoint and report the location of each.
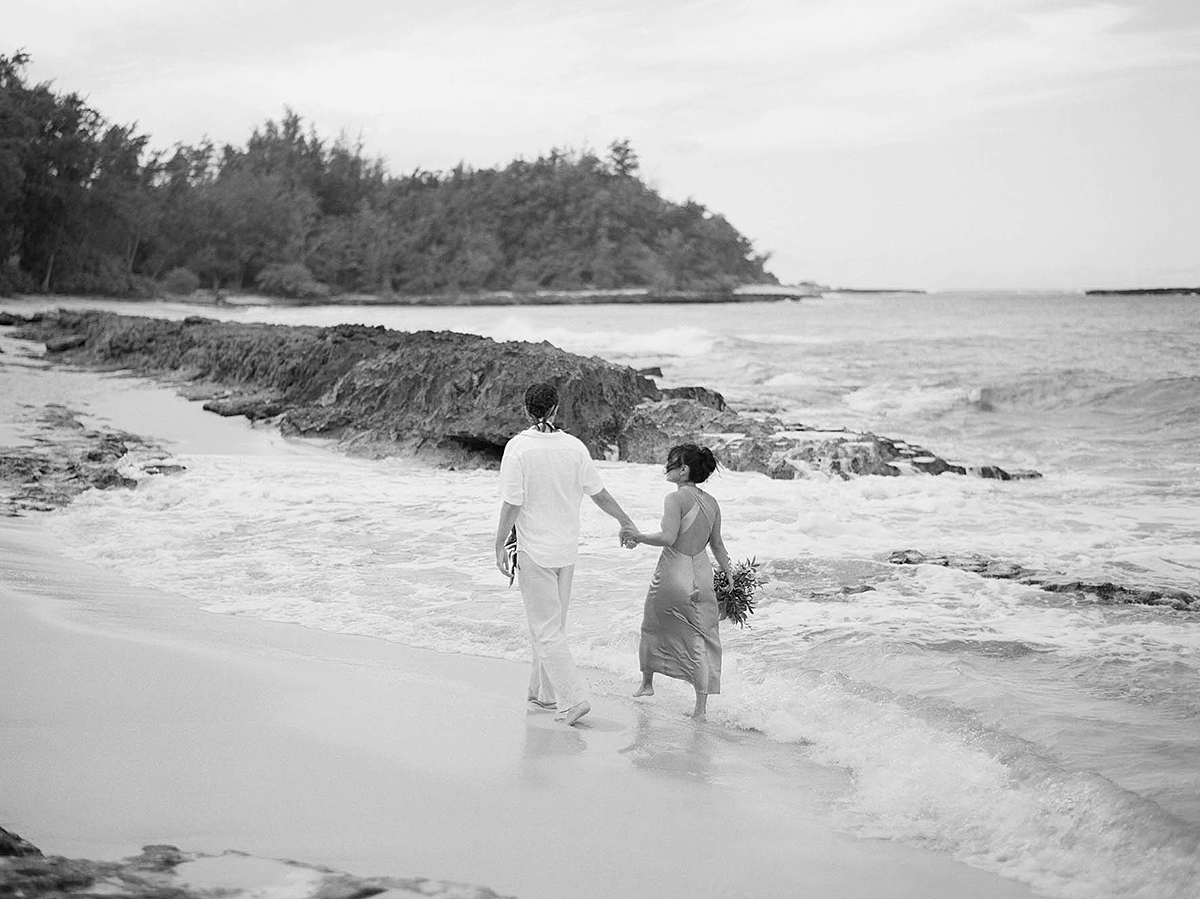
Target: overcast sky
(863, 143)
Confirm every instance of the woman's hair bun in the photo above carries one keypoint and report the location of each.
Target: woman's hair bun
(700, 460)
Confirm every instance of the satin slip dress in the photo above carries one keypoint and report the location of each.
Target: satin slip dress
(680, 621)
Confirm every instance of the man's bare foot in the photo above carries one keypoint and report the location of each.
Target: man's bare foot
(574, 713)
(644, 690)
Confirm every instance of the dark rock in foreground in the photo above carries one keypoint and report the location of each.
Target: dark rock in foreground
(165, 871)
(1104, 592)
(65, 460)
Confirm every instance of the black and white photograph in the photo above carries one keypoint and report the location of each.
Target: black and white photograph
(527, 450)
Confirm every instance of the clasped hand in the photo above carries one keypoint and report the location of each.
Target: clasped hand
(628, 536)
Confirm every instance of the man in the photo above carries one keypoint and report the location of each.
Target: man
(544, 475)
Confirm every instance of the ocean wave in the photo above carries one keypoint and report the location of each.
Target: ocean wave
(616, 346)
(777, 339)
(889, 400)
(1166, 402)
(1162, 400)
(1051, 391)
(933, 775)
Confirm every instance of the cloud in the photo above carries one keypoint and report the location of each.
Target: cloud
(954, 65)
(773, 72)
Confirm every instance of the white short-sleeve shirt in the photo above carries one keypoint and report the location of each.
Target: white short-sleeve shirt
(547, 475)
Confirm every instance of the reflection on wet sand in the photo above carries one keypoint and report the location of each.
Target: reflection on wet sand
(545, 741)
(684, 749)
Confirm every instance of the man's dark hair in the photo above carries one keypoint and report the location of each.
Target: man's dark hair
(540, 398)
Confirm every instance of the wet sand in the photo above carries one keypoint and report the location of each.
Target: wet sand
(130, 718)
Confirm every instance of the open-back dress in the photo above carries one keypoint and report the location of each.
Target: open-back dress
(680, 622)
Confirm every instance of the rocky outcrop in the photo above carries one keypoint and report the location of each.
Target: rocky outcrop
(778, 450)
(64, 460)
(165, 871)
(703, 395)
(1104, 592)
(441, 394)
(62, 344)
(253, 406)
(456, 398)
(14, 846)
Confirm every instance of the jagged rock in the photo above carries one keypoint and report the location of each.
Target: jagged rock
(1104, 592)
(1118, 594)
(445, 393)
(653, 428)
(107, 448)
(166, 872)
(456, 398)
(12, 845)
(991, 471)
(702, 395)
(162, 468)
(440, 394)
(934, 465)
(66, 460)
(62, 344)
(253, 406)
(8, 318)
(768, 446)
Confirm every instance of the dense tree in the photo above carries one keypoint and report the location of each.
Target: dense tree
(85, 207)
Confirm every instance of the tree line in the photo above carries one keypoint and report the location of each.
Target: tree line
(87, 207)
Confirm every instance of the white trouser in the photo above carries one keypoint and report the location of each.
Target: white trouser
(546, 592)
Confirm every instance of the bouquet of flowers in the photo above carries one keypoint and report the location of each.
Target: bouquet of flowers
(736, 600)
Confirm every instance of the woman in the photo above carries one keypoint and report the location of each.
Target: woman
(679, 624)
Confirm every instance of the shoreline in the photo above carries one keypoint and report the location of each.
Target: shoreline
(765, 293)
(135, 718)
(1144, 292)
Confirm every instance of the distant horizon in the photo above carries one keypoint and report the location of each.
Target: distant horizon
(1182, 288)
(911, 142)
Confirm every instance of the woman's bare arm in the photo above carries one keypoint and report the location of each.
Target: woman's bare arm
(670, 525)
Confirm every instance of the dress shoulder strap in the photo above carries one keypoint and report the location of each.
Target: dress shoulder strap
(689, 517)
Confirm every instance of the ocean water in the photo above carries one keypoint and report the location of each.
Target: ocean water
(1053, 738)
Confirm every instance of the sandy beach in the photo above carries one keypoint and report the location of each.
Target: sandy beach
(131, 719)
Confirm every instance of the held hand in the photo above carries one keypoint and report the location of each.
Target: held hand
(502, 562)
(628, 536)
